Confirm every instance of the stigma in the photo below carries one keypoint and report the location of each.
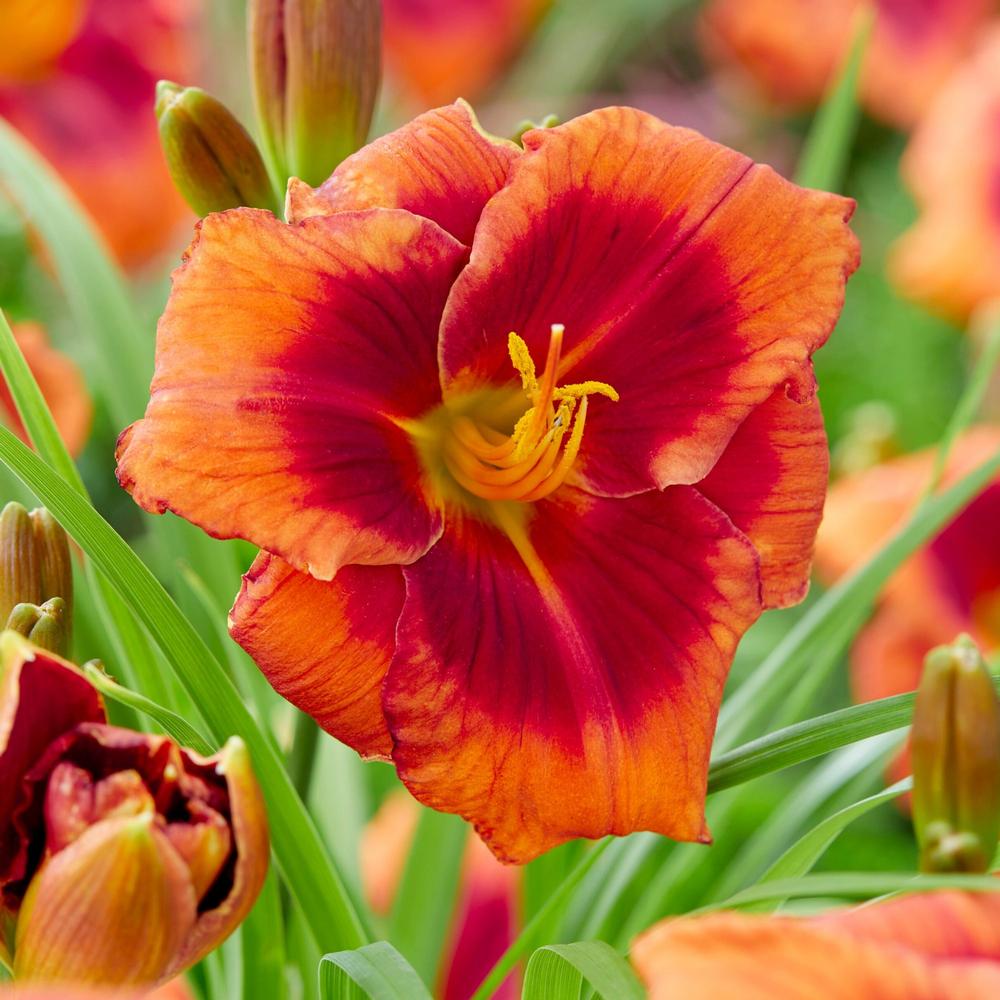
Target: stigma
(534, 459)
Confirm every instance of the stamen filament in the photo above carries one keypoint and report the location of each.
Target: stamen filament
(535, 459)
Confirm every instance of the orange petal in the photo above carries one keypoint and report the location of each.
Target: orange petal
(763, 958)
(287, 358)
(62, 386)
(41, 697)
(441, 165)
(217, 919)
(561, 679)
(325, 646)
(771, 480)
(691, 280)
(439, 51)
(111, 909)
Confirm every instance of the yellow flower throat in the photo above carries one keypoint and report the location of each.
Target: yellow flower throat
(535, 458)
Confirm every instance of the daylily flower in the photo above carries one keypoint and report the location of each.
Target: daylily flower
(928, 946)
(950, 258)
(62, 385)
(791, 49)
(77, 78)
(948, 587)
(176, 989)
(124, 859)
(486, 916)
(528, 439)
(440, 50)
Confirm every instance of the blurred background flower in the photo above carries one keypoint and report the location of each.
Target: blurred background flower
(78, 78)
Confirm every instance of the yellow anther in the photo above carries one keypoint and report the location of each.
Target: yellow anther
(522, 361)
(537, 456)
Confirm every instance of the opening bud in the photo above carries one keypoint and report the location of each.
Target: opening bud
(316, 67)
(214, 162)
(955, 746)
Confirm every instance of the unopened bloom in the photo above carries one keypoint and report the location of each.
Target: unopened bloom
(212, 158)
(487, 913)
(950, 258)
(955, 748)
(928, 946)
(791, 49)
(124, 859)
(62, 385)
(77, 78)
(528, 439)
(316, 68)
(437, 52)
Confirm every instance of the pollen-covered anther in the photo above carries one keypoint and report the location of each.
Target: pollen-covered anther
(535, 458)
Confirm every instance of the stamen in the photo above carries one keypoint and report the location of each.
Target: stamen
(531, 462)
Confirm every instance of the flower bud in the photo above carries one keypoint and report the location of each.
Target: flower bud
(212, 159)
(124, 859)
(44, 626)
(955, 746)
(34, 561)
(316, 66)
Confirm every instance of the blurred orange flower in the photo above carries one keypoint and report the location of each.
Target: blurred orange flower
(77, 78)
(487, 912)
(62, 386)
(950, 586)
(790, 49)
(929, 946)
(440, 50)
(950, 259)
(528, 437)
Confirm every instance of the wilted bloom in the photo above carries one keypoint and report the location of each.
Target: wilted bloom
(487, 913)
(124, 859)
(955, 748)
(212, 158)
(62, 386)
(316, 68)
(929, 946)
(77, 77)
(947, 587)
(950, 258)
(528, 438)
(791, 49)
(440, 51)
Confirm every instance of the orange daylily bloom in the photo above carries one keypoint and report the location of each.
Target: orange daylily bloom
(440, 50)
(928, 946)
(78, 79)
(486, 917)
(950, 258)
(948, 587)
(124, 859)
(62, 386)
(528, 438)
(791, 49)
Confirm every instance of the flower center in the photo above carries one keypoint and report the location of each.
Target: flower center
(535, 458)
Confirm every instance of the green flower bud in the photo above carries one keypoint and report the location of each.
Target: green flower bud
(212, 159)
(316, 67)
(44, 625)
(955, 746)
